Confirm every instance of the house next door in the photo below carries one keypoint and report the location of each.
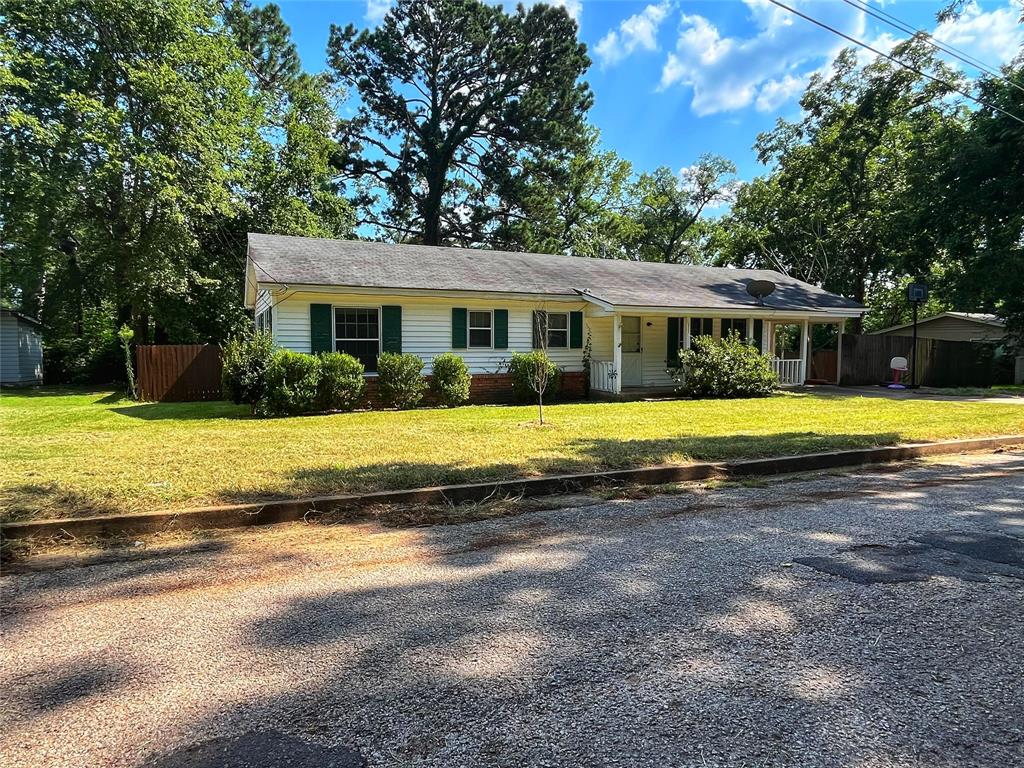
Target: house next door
(632, 352)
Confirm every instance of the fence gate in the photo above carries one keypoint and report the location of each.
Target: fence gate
(179, 372)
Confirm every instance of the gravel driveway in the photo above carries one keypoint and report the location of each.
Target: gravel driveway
(872, 619)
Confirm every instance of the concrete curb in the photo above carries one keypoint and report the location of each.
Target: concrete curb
(288, 510)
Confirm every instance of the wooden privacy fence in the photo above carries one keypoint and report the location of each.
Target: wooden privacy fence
(939, 363)
(179, 372)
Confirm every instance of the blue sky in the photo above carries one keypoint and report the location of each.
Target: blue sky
(678, 78)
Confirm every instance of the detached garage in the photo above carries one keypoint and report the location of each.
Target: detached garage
(21, 349)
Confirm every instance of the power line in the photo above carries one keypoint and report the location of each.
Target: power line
(862, 44)
(946, 48)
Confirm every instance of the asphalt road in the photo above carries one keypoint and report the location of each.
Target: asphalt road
(868, 620)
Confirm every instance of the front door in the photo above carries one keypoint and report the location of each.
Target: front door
(632, 352)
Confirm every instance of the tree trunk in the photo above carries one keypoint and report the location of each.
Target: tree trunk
(432, 205)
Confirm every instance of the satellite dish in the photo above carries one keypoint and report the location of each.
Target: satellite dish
(760, 288)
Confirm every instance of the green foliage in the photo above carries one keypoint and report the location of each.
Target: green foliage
(588, 358)
(455, 96)
(450, 379)
(293, 383)
(847, 202)
(668, 206)
(534, 376)
(157, 132)
(400, 380)
(92, 357)
(341, 382)
(246, 360)
(979, 217)
(724, 368)
(125, 336)
(575, 202)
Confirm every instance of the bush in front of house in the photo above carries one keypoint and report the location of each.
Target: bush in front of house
(293, 383)
(341, 382)
(400, 382)
(724, 368)
(450, 380)
(245, 363)
(524, 367)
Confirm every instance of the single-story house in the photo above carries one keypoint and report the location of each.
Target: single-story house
(952, 326)
(318, 295)
(21, 349)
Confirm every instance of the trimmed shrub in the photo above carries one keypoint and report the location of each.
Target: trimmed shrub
(724, 368)
(400, 380)
(450, 380)
(246, 360)
(293, 381)
(523, 368)
(341, 382)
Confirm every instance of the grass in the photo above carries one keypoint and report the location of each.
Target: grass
(998, 390)
(68, 453)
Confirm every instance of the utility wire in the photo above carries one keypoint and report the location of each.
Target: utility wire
(862, 44)
(946, 48)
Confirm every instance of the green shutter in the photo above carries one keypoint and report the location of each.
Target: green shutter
(391, 329)
(758, 333)
(575, 330)
(321, 328)
(672, 345)
(501, 329)
(458, 328)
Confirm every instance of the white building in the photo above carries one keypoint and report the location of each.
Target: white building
(318, 295)
(21, 349)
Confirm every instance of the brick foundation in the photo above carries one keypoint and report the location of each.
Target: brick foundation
(486, 389)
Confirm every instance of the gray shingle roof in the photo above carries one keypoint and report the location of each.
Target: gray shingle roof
(311, 261)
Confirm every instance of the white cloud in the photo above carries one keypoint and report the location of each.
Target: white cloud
(638, 31)
(774, 93)
(992, 37)
(376, 10)
(765, 69)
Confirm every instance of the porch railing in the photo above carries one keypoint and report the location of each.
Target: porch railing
(602, 375)
(788, 370)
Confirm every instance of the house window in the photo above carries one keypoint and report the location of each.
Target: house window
(265, 321)
(481, 328)
(701, 326)
(558, 330)
(357, 332)
(730, 324)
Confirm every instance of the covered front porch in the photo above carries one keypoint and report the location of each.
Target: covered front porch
(632, 351)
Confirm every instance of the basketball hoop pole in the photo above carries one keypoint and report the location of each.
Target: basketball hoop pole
(916, 293)
(913, 360)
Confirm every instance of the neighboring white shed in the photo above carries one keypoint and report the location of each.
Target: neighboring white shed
(21, 349)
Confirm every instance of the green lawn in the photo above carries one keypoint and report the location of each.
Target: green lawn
(66, 453)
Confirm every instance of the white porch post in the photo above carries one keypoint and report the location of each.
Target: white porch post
(617, 353)
(839, 352)
(804, 339)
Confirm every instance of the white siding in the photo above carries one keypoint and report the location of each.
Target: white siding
(600, 337)
(427, 326)
(10, 368)
(655, 346)
(21, 351)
